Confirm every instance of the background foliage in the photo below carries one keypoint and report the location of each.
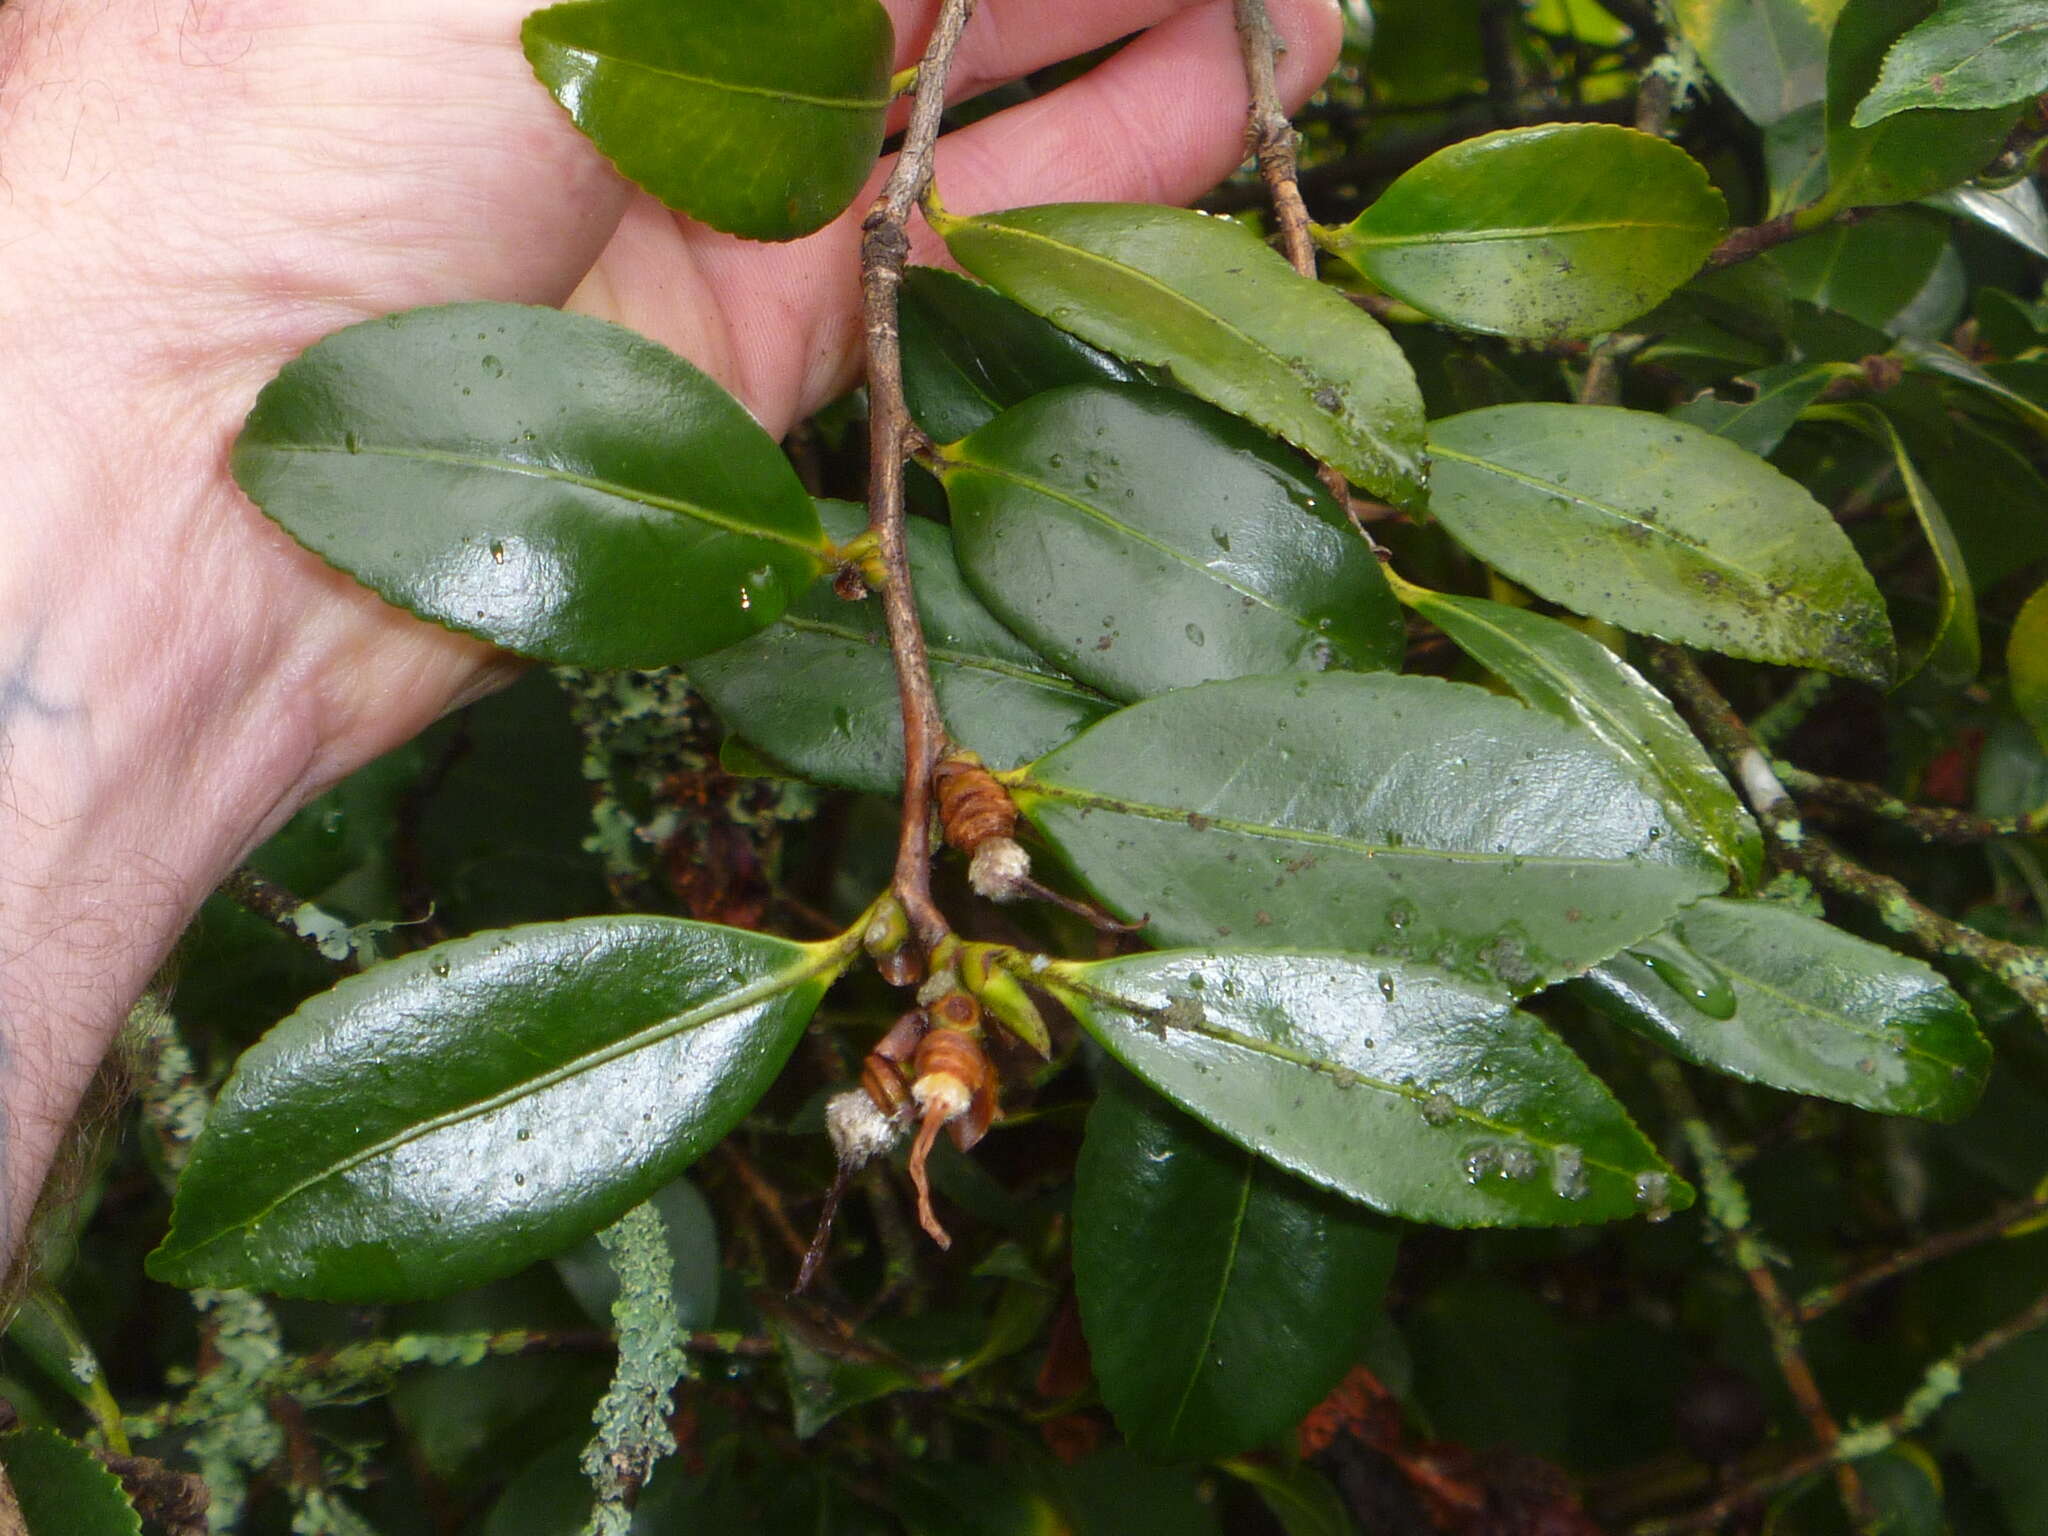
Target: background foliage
(1493, 1122)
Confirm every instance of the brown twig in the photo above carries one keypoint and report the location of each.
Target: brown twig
(1929, 823)
(261, 896)
(1824, 1299)
(1794, 846)
(1270, 136)
(1727, 1205)
(764, 1195)
(884, 250)
(1940, 1383)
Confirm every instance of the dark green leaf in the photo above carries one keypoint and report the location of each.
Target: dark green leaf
(2016, 212)
(762, 119)
(1564, 230)
(1763, 992)
(1660, 528)
(2026, 663)
(1141, 540)
(1760, 423)
(556, 485)
(1221, 1298)
(1953, 653)
(826, 1382)
(460, 1112)
(969, 354)
(1970, 53)
(1205, 298)
(1995, 499)
(1912, 153)
(1769, 55)
(1417, 1094)
(2004, 384)
(817, 690)
(63, 1489)
(1562, 672)
(1870, 270)
(1402, 816)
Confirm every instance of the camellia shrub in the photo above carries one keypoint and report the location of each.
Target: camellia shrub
(1369, 860)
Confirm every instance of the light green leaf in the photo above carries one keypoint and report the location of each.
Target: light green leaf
(1911, 153)
(1556, 669)
(762, 119)
(1662, 529)
(1141, 540)
(1564, 230)
(1870, 270)
(63, 1489)
(1221, 1297)
(1770, 56)
(1402, 816)
(1232, 320)
(1763, 992)
(1781, 392)
(1969, 53)
(553, 484)
(1399, 1087)
(456, 1114)
(817, 692)
(2026, 663)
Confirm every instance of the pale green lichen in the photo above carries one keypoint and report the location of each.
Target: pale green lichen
(632, 1419)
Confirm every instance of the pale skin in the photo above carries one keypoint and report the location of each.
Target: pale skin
(192, 191)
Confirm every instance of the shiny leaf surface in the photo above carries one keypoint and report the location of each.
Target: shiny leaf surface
(1766, 993)
(1141, 540)
(556, 485)
(1555, 668)
(1969, 53)
(762, 120)
(63, 1489)
(1235, 324)
(1402, 816)
(1221, 1298)
(1417, 1094)
(969, 354)
(1760, 423)
(455, 1114)
(1662, 529)
(1911, 153)
(2026, 661)
(1563, 230)
(816, 690)
(1769, 55)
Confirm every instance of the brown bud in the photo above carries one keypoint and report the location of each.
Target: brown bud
(973, 807)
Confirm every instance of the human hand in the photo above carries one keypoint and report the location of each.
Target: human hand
(193, 192)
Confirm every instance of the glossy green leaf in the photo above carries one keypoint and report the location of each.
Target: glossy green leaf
(1417, 1094)
(553, 484)
(1870, 270)
(1770, 56)
(1662, 529)
(762, 119)
(1403, 816)
(2001, 381)
(45, 1331)
(2016, 211)
(455, 1114)
(1141, 540)
(63, 1489)
(1911, 153)
(1969, 53)
(1953, 653)
(1763, 992)
(1556, 669)
(1759, 424)
(1221, 1298)
(1234, 322)
(969, 354)
(2026, 663)
(1564, 230)
(817, 692)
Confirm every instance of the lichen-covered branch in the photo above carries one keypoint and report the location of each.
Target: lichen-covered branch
(632, 1419)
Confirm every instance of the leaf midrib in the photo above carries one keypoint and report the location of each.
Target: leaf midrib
(560, 476)
(1366, 240)
(736, 87)
(1307, 837)
(1841, 1019)
(1228, 1268)
(966, 661)
(825, 959)
(1754, 579)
